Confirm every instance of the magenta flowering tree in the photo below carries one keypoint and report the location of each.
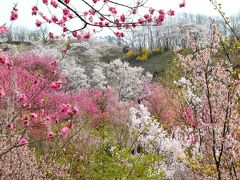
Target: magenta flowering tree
(31, 93)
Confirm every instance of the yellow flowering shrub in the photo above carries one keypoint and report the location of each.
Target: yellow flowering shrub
(144, 54)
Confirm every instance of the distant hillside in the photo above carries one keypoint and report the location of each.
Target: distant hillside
(155, 64)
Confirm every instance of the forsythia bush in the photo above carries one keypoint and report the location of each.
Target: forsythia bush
(141, 55)
(131, 53)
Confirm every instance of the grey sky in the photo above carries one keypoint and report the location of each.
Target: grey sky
(193, 6)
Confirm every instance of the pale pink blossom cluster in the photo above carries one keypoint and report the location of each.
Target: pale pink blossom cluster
(19, 163)
(163, 103)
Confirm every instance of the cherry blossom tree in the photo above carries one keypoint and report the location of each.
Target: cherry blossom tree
(212, 93)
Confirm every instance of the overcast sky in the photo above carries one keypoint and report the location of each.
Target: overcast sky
(193, 6)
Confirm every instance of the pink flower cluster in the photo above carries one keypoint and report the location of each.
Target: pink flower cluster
(54, 3)
(122, 18)
(50, 135)
(34, 10)
(183, 4)
(171, 12)
(3, 59)
(189, 117)
(119, 34)
(95, 1)
(87, 36)
(2, 92)
(23, 141)
(161, 17)
(67, 1)
(38, 23)
(45, 1)
(3, 29)
(57, 84)
(14, 14)
(66, 11)
(64, 131)
(34, 97)
(112, 10)
(68, 109)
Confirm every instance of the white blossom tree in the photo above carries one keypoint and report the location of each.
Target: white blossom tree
(127, 80)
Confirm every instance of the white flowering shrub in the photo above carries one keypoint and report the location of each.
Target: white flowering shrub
(151, 137)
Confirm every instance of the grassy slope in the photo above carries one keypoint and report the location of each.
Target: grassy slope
(156, 64)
